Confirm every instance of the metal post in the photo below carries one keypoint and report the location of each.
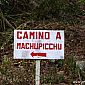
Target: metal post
(37, 76)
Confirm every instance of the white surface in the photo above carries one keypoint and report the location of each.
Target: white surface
(51, 54)
(37, 79)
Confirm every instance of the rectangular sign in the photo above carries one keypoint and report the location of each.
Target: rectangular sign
(38, 44)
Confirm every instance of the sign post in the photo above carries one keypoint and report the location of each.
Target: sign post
(37, 77)
(38, 44)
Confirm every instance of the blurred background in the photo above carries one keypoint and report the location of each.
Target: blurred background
(67, 15)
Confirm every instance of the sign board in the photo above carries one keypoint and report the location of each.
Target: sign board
(38, 44)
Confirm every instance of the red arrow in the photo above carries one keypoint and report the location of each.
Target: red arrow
(38, 54)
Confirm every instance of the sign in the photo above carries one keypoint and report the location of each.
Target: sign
(38, 44)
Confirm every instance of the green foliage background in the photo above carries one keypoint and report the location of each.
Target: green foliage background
(13, 13)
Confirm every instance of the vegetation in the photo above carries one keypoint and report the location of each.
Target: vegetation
(15, 12)
(68, 15)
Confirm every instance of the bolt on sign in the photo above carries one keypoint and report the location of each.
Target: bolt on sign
(38, 44)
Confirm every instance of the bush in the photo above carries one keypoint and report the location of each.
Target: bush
(63, 10)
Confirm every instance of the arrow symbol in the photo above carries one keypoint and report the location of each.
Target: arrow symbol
(38, 54)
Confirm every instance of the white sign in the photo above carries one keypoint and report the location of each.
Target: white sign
(38, 44)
